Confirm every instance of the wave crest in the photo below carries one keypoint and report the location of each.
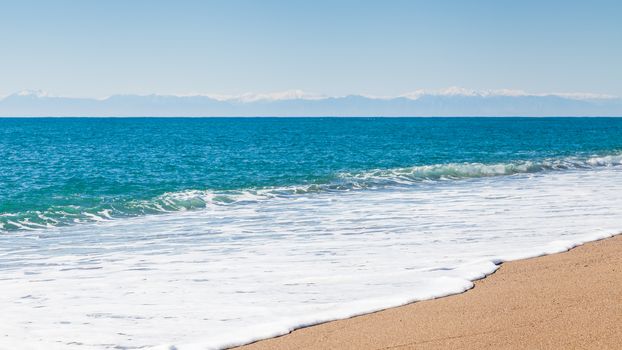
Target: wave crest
(345, 181)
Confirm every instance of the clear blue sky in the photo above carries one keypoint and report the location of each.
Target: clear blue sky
(99, 48)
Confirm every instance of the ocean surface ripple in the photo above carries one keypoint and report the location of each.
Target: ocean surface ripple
(207, 233)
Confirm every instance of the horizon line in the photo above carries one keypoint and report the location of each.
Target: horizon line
(298, 94)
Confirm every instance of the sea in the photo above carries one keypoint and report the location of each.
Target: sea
(205, 233)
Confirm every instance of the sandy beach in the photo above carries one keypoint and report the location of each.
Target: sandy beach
(570, 300)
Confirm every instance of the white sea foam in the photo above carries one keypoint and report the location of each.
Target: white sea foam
(345, 181)
(231, 274)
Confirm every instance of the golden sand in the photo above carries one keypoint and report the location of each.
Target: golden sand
(571, 300)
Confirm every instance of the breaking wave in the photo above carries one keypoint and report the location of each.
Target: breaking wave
(345, 181)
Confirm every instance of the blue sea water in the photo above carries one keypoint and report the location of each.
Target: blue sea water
(69, 170)
(120, 233)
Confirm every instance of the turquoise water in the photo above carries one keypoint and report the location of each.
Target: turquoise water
(208, 233)
(56, 172)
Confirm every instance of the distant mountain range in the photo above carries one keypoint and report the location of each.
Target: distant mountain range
(450, 102)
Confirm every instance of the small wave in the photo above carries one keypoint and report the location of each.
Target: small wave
(345, 181)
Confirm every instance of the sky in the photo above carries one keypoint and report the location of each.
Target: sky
(95, 48)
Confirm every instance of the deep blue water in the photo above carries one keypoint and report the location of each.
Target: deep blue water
(61, 171)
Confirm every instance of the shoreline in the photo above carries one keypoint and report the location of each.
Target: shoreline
(570, 299)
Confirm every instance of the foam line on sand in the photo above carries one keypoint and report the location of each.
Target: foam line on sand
(570, 300)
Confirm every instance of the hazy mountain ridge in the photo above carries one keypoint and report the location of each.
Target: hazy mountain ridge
(454, 104)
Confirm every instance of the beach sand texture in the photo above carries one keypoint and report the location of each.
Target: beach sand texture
(571, 300)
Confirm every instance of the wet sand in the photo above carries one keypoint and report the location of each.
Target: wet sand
(570, 300)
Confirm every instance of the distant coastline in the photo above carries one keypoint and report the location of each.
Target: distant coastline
(460, 104)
